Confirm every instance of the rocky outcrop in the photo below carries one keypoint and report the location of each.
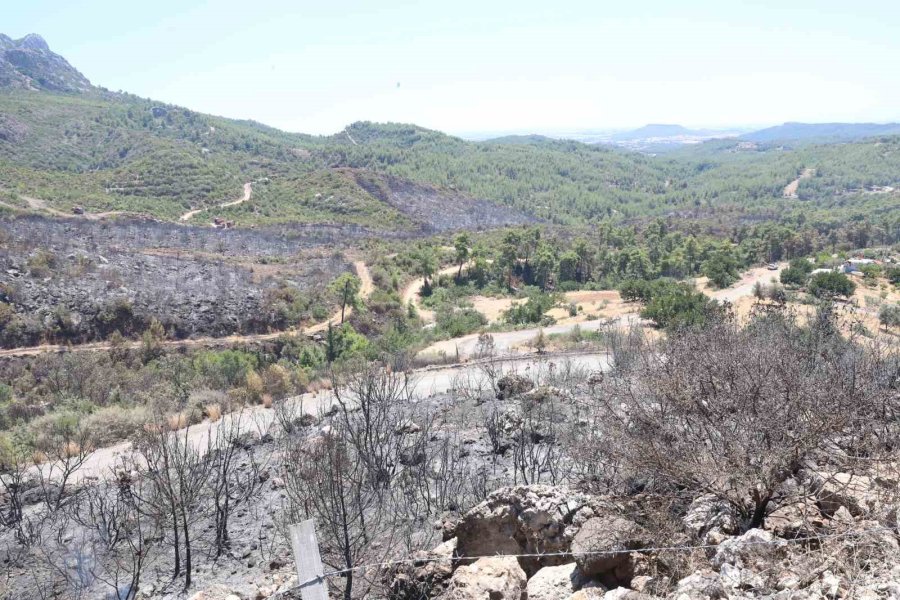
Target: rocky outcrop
(525, 520)
(602, 548)
(488, 578)
(28, 63)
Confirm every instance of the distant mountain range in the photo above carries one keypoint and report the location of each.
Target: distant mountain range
(821, 132)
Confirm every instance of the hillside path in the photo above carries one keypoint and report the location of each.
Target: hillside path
(411, 293)
(248, 192)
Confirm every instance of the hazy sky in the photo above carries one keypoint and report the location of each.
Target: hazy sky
(487, 65)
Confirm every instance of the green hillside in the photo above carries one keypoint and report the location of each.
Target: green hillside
(117, 152)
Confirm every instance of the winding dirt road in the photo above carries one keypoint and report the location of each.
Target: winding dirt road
(42, 206)
(248, 192)
(411, 293)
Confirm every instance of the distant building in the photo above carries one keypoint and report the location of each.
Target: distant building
(855, 265)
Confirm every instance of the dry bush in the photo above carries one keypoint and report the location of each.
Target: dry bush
(253, 386)
(736, 411)
(277, 381)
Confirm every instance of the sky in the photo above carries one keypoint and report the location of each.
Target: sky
(487, 65)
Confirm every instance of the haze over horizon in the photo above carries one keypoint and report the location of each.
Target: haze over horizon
(498, 67)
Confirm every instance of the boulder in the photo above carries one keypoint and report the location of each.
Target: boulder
(836, 490)
(799, 519)
(512, 385)
(603, 548)
(621, 593)
(427, 575)
(757, 549)
(525, 520)
(491, 578)
(554, 583)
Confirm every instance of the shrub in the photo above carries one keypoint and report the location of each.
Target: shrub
(343, 342)
(253, 386)
(453, 322)
(113, 424)
(42, 263)
(225, 368)
(277, 381)
(752, 403)
(889, 315)
(678, 305)
(532, 311)
(830, 285)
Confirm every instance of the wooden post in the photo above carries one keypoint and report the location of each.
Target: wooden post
(308, 561)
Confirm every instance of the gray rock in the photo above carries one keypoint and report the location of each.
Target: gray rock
(603, 546)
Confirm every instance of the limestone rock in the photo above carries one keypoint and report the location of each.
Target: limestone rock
(757, 549)
(498, 578)
(702, 585)
(216, 592)
(525, 519)
(601, 548)
(554, 583)
(709, 513)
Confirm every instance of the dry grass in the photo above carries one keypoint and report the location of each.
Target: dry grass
(213, 412)
(177, 421)
(319, 385)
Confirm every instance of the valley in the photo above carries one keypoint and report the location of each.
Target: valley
(658, 364)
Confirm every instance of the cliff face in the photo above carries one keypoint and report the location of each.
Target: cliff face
(30, 64)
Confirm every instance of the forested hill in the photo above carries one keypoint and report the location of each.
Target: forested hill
(62, 146)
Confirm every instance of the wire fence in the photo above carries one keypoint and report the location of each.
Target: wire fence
(679, 548)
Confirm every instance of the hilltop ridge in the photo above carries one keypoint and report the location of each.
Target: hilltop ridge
(28, 63)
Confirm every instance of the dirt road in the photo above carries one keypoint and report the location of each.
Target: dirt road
(423, 382)
(744, 287)
(790, 190)
(362, 271)
(411, 294)
(248, 192)
(42, 206)
(507, 342)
